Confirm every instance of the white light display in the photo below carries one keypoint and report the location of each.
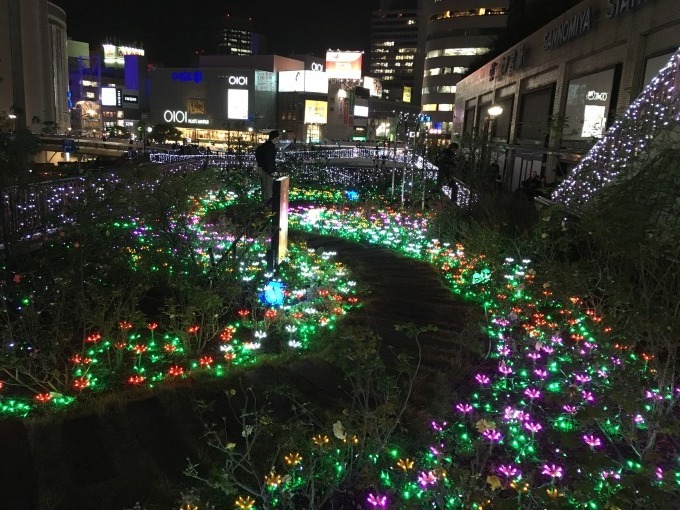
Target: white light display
(656, 108)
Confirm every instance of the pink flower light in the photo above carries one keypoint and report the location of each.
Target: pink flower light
(504, 369)
(533, 427)
(592, 441)
(552, 470)
(532, 393)
(377, 501)
(464, 408)
(425, 479)
(540, 373)
(482, 379)
(492, 435)
(507, 470)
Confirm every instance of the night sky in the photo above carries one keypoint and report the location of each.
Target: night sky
(172, 32)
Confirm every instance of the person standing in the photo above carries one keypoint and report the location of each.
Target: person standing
(265, 155)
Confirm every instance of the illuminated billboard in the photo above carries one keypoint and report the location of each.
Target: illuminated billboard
(316, 82)
(316, 112)
(109, 96)
(116, 54)
(344, 64)
(360, 111)
(303, 81)
(373, 85)
(587, 108)
(237, 104)
(291, 81)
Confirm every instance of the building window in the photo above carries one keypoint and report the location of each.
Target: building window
(482, 11)
(456, 52)
(436, 71)
(429, 107)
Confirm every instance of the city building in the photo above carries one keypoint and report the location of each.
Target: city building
(237, 37)
(233, 101)
(394, 47)
(33, 65)
(557, 91)
(457, 33)
(107, 88)
(224, 102)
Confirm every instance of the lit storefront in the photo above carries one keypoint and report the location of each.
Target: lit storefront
(563, 86)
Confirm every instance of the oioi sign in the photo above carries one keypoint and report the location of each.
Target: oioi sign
(238, 80)
(181, 117)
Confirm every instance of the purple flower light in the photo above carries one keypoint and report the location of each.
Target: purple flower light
(638, 419)
(532, 393)
(548, 350)
(659, 473)
(570, 409)
(504, 350)
(425, 479)
(592, 441)
(552, 470)
(556, 339)
(492, 435)
(508, 470)
(504, 369)
(533, 427)
(582, 378)
(377, 501)
(436, 426)
(540, 373)
(482, 379)
(464, 408)
(588, 396)
(610, 474)
(652, 395)
(534, 356)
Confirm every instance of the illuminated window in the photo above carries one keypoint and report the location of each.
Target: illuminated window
(445, 107)
(441, 89)
(436, 71)
(429, 107)
(456, 52)
(482, 11)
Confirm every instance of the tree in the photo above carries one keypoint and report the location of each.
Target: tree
(164, 131)
(118, 132)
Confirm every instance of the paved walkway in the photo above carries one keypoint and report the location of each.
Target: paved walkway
(131, 454)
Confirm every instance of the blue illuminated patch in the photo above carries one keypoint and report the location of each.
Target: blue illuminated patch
(273, 294)
(352, 196)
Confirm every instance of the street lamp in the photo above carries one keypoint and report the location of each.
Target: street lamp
(494, 111)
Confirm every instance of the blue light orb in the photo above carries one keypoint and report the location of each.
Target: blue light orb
(352, 196)
(273, 293)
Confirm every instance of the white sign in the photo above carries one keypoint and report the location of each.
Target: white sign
(109, 96)
(181, 117)
(360, 111)
(316, 66)
(237, 104)
(238, 80)
(177, 116)
(597, 96)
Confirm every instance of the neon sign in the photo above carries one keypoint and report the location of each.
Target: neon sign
(184, 76)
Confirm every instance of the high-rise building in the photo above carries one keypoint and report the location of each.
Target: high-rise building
(237, 37)
(33, 64)
(394, 45)
(457, 34)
